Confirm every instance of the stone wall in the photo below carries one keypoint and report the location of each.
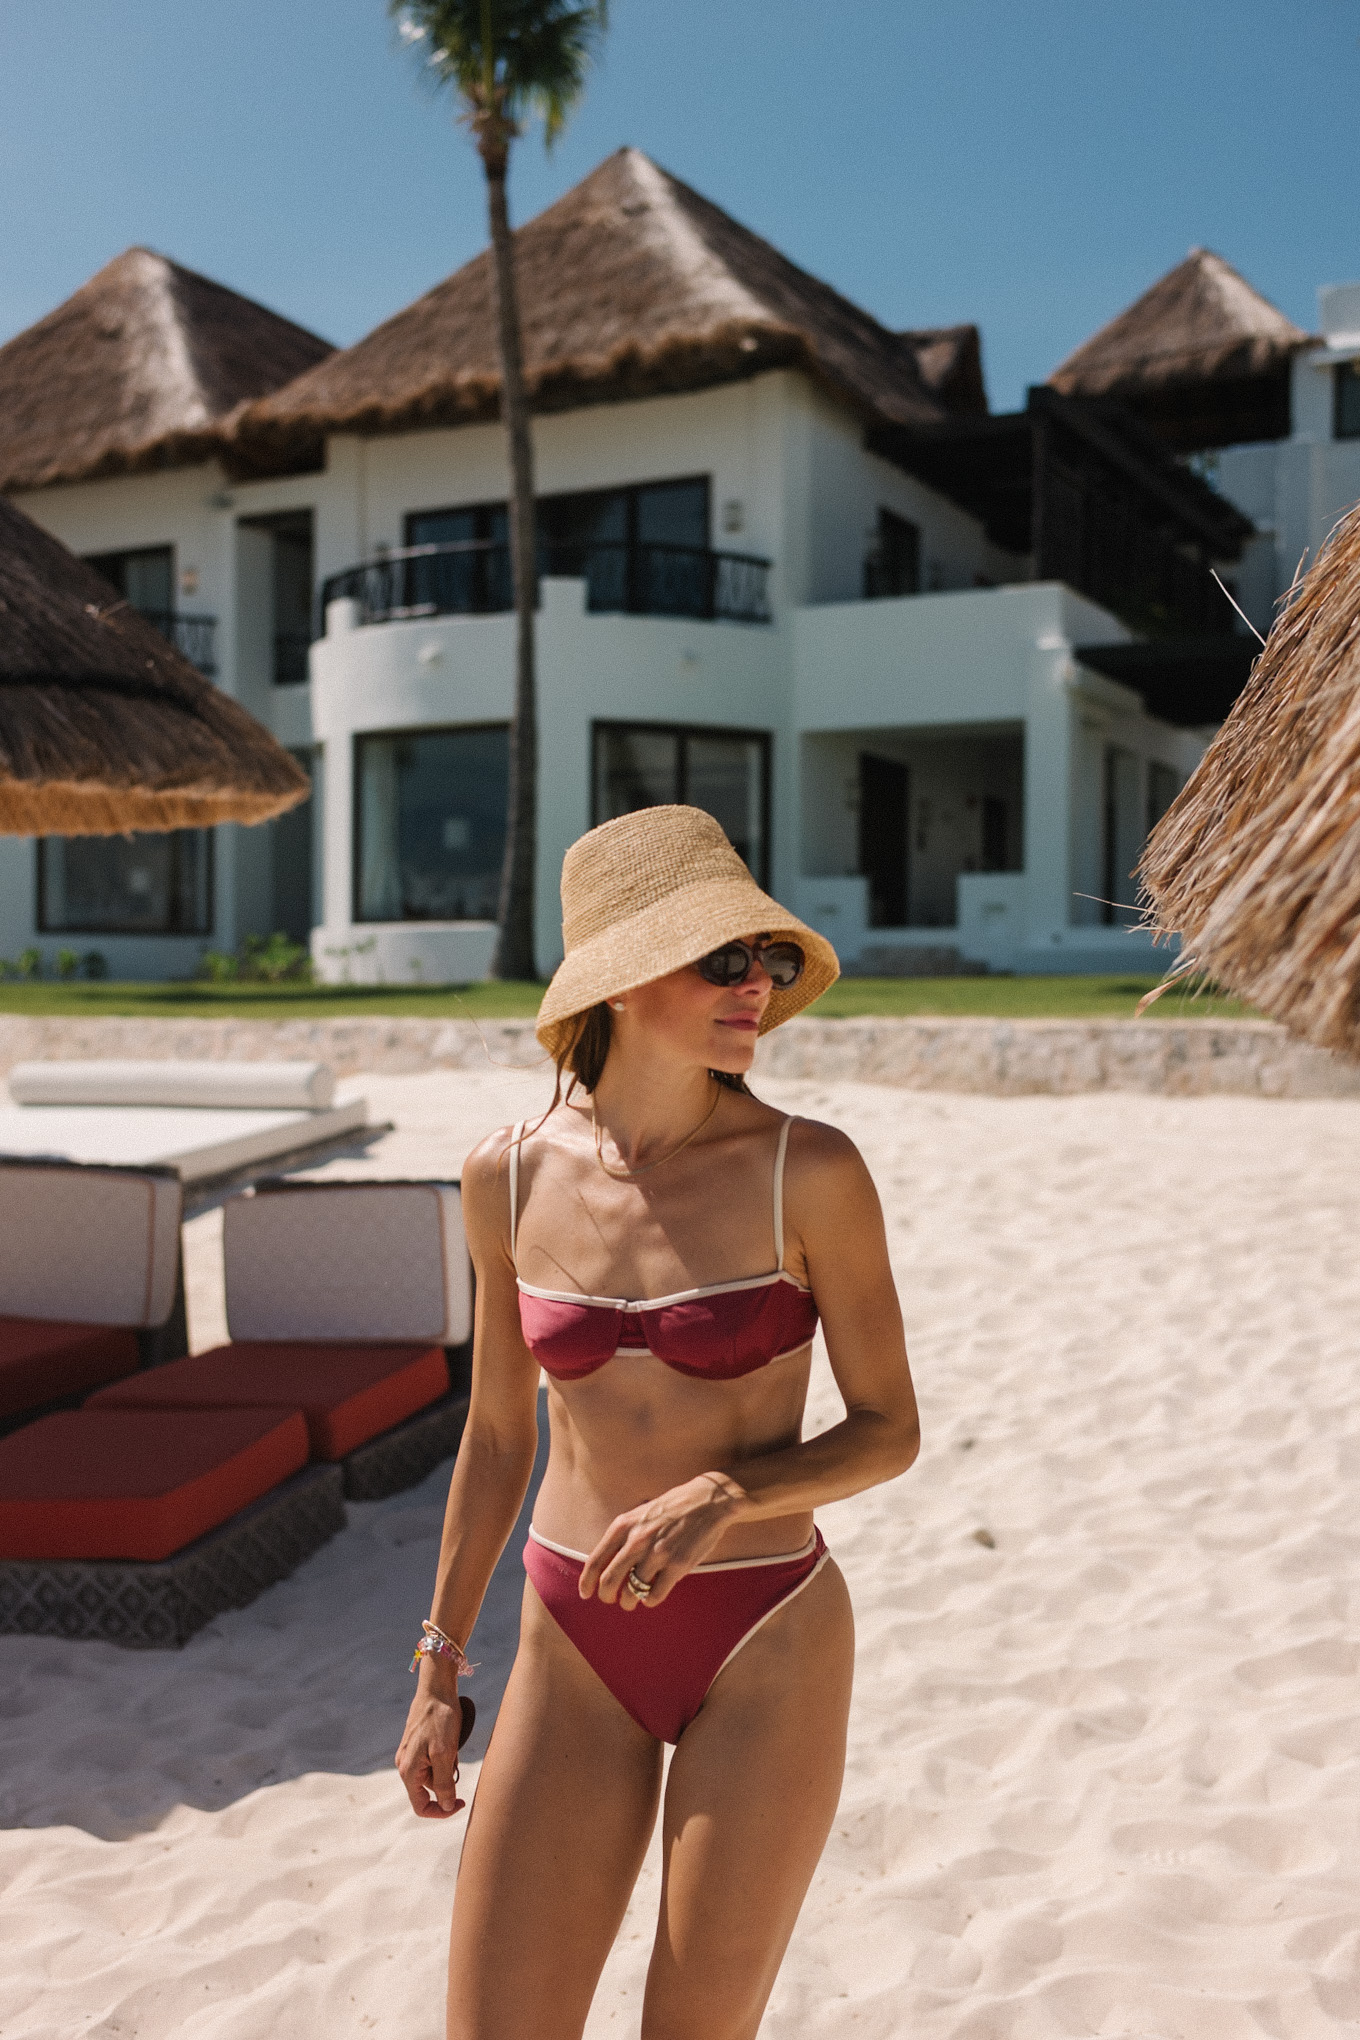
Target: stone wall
(1187, 1058)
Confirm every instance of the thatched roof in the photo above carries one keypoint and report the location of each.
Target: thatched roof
(1257, 864)
(950, 362)
(1201, 356)
(104, 727)
(1201, 320)
(631, 285)
(137, 370)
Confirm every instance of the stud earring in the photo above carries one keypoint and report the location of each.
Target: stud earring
(617, 1004)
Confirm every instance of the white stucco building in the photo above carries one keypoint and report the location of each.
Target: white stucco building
(936, 671)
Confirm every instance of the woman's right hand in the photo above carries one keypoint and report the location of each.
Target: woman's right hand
(427, 1758)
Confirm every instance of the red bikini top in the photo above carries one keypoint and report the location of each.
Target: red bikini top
(716, 1333)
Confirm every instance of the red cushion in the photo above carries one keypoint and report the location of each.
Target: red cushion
(41, 1361)
(137, 1483)
(348, 1394)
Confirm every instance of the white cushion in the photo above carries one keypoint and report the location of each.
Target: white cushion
(250, 1086)
(348, 1261)
(95, 1246)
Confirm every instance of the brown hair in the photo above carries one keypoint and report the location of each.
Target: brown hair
(586, 1050)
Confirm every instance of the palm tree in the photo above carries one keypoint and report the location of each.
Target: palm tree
(508, 60)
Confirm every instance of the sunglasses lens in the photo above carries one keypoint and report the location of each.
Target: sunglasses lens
(725, 966)
(784, 962)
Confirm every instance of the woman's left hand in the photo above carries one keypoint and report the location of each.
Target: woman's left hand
(661, 1540)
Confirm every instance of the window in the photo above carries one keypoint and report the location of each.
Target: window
(1346, 400)
(126, 885)
(475, 581)
(430, 835)
(725, 772)
(145, 580)
(642, 549)
(292, 576)
(894, 565)
(1163, 784)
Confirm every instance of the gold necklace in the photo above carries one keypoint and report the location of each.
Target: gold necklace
(627, 1175)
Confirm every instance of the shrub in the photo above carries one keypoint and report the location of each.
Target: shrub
(94, 963)
(68, 965)
(262, 959)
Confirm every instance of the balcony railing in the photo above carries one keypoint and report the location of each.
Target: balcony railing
(471, 577)
(191, 635)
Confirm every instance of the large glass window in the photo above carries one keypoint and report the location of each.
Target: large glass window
(430, 835)
(145, 579)
(126, 885)
(1346, 421)
(642, 548)
(290, 533)
(475, 580)
(726, 772)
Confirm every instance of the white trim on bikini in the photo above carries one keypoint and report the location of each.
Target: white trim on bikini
(713, 1565)
(779, 1273)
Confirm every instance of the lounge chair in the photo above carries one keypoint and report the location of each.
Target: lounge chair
(216, 1124)
(90, 1281)
(112, 1524)
(346, 1301)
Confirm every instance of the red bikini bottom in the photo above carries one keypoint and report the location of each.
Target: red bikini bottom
(660, 1662)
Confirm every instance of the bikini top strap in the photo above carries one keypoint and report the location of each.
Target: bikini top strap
(780, 1151)
(516, 1136)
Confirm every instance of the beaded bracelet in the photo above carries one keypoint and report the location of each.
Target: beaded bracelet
(434, 1643)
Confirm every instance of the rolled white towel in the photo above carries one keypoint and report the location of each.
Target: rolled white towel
(246, 1086)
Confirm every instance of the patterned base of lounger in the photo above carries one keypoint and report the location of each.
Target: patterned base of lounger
(402, 1457)
(159, 1606)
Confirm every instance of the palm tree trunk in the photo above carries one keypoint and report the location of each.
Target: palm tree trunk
(514, 957)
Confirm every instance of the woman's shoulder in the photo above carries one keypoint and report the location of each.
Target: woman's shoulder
(488, 1165)
(814, 1141)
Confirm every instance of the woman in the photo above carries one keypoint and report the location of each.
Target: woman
(662, 1247)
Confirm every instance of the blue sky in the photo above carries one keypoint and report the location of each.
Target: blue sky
(1028, 164)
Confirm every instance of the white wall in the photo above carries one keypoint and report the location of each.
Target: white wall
(460, 669)
(843, 487)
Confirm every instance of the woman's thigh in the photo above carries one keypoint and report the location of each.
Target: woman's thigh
(750, 1799)
(564, 1810)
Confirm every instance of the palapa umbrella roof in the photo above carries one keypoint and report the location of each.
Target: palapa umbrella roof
(136, 370)
(104, 726)
(631, 285)
(1256, 865)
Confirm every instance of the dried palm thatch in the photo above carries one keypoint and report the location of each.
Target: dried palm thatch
(632, 285)
(104, 727)
(1256, 865)
(136, 370)
(1201, 356)
(950, 362)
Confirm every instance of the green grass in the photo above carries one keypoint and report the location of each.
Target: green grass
(1000, 998)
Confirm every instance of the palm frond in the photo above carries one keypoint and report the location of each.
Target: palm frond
(529, 57)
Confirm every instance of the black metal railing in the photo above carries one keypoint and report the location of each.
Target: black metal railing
(191, 635)
(471, 577)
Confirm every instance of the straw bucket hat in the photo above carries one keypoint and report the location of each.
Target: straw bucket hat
(650, 892)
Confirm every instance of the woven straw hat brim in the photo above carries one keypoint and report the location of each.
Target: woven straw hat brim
(670, 933)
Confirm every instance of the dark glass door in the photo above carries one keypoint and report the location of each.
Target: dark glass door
(883, 785)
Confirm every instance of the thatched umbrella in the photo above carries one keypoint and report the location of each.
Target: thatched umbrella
(1257, 864)
(104, 726)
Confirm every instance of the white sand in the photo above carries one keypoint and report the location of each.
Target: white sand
(1104, 1775)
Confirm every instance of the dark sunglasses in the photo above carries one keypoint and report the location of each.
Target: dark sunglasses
(731, 965)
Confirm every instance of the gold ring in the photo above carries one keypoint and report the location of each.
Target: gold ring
(637, 1586)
